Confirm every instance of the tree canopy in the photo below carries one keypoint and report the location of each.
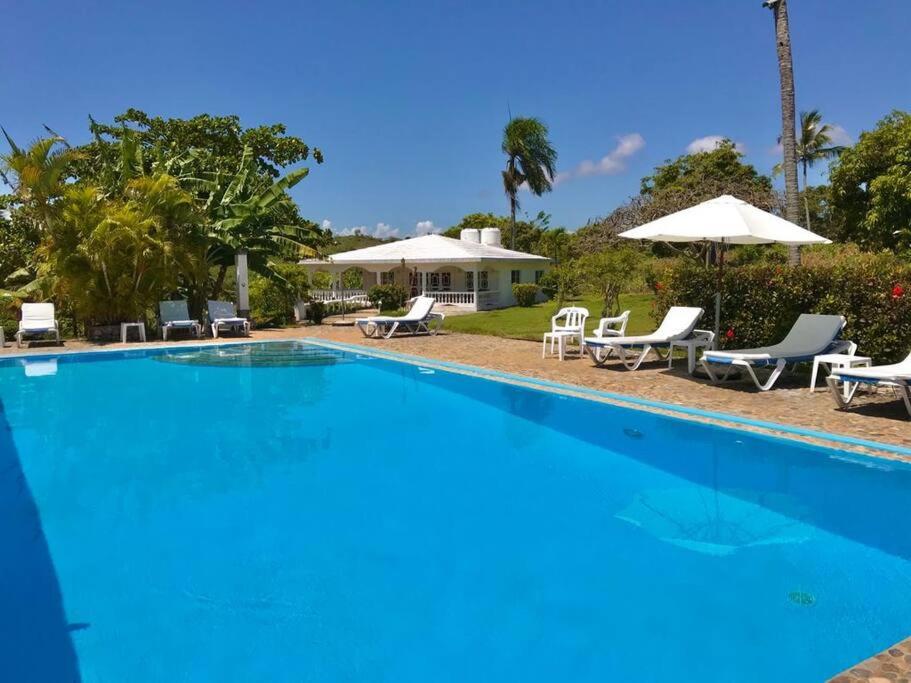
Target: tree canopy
(150, 208)
(871, 186)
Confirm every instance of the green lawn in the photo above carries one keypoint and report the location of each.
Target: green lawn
(532, 323)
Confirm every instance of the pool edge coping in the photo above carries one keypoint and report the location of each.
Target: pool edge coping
(636, 402)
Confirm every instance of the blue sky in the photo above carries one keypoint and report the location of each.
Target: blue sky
(408, 99)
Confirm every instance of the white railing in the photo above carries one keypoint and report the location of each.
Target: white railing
(457, 298)
(332, 295)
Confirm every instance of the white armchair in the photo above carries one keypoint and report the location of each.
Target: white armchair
(566, 325)
(612, 327)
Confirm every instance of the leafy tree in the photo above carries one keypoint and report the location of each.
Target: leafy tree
(788, 115)
(18, 242)
(871, 186)
(200, 144)
(814, 144)
(531, 160)
(608, 273)
(693, 178)
(554, 244)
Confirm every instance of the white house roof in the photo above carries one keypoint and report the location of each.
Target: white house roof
(428, 249)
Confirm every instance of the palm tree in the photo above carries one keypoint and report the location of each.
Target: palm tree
(530, 160)
(38, 173)
(813, 145)
(788, 116)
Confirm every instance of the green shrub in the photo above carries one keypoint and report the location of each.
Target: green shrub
(761, 302)
(525, 294)
(388, 297)
(271, 302)
(316, 312)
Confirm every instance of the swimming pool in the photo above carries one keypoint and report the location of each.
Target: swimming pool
(284, 512)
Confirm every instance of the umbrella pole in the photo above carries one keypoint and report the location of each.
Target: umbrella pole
(718, 294)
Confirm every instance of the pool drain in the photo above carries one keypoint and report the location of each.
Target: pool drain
(801, 598)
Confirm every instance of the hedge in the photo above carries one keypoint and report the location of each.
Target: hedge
(761, 302)
(525, 294)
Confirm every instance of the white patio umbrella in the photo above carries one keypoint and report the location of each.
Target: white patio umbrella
(724, 220)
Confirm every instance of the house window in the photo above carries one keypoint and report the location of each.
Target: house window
(469, 280)
(446, 281)
(387, 278)
(482, 281)
(434, 282)
(538, 275)
(516, 276)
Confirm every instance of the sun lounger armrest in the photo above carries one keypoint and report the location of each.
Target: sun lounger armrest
(845, 346)
(706, 336)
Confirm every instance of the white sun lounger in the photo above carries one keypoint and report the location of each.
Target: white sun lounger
(223, 315)
(37, 319)
(419, 320)
(896, 376)
(176, 316)
(679, 324)
(812, 335)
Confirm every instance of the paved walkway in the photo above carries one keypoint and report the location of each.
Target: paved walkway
(877, 418)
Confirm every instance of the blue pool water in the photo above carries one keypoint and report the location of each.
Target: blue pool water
(261, 513)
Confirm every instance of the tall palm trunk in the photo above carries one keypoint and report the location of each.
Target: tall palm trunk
(788, 117)
(512, 222)
(806, 200)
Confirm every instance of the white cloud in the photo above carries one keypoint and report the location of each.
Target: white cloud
(381, 231)
(612, 163)
(840, 137)
(326, 224)
(425, 228)
(710, 142)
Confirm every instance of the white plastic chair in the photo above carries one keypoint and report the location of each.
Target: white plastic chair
(566, 325)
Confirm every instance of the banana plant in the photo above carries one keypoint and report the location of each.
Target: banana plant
(255, 216)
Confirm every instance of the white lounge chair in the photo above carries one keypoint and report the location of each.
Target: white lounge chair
(223, 315)
(896, 376)
(176, 316)
(419, 320)
(37, 319)
(567, 324)
(812, 335)
(679, 324)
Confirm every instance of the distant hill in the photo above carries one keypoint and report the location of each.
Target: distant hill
(342, 243)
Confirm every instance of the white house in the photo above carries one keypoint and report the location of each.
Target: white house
(474, 272)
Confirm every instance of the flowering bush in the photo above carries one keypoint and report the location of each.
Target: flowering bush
(761, 302)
